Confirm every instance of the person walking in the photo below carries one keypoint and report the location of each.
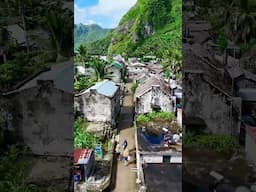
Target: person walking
(118, 151)
(126, 156)
(125, 144)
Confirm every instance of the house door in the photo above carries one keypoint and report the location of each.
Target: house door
(166, 159)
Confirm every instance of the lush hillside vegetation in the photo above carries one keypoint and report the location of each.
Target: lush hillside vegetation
(99, 47)
(150, 27)
(88, 33)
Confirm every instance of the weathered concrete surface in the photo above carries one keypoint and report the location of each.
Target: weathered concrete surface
(220, 112)
(98, 107)
(155, 97)
(41, 117)
(125, 176)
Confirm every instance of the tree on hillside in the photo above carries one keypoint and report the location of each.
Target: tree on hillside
(82, 54)
(101, 69)
(21, 6)
(59, 24)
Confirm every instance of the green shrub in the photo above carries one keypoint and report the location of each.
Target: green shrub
(212, 141)
(82, 138)
(222, 41)
(143, 119)
(13, 167)
(168, 116)
(165, 116)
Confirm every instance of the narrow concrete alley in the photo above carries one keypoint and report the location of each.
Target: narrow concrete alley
(124, 177)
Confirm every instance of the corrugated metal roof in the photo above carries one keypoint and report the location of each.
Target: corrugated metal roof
(117, 65)
(82, 156)
(153, 81)
(106, 87)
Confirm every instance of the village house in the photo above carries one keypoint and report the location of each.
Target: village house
(39, 112)
(136, 69)
(83, 162)
(211, 103)
(119, 59)
(117, 70)
(158, 166)
(100, 105)
(156, 69)
(154, 94)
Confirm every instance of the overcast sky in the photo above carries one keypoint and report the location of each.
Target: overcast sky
(106, 13)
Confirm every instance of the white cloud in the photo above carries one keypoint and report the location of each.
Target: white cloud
(111, 9)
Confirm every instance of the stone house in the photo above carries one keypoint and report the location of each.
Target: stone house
(100, 105)
(208, 101)
(156, 69)
(154, 94)
(39, 112)
(137, 69)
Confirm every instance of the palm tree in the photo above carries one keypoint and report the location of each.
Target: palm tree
(237, 16)
(101, 69)
(59, 24)
(82, 55)
(245, 22)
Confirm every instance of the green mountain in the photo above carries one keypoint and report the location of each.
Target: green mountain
(151, 27)
(88, 33)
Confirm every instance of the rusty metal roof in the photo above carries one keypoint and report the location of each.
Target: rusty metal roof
(82, 156)
(148, 84)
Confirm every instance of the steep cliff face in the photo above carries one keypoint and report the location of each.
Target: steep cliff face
(146, 25)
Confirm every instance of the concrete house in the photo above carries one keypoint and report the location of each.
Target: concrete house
(158, 167)
(40, 114)
(100, 105)
(156, 69)
(117, 70)
(137, 69)
(154, 94)
(211, 103)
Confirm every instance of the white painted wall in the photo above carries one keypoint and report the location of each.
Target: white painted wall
(43, 118)
(153, 159)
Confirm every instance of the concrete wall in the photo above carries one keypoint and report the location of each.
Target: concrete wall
(152, 159)
(116, 74)
(179, 116)
(97, 107)
(250, 146)
(203, 101)
(155, 96)
(42, 118)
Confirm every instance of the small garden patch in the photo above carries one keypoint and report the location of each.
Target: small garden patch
(82, 138)
(155, 116)
(220, 143)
